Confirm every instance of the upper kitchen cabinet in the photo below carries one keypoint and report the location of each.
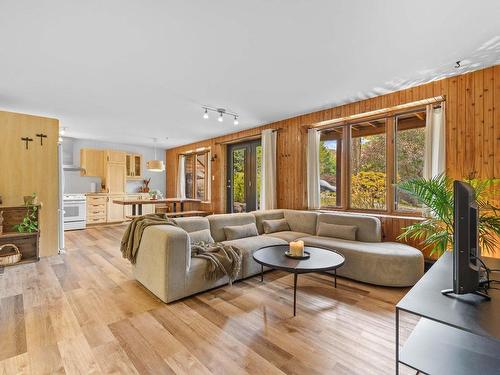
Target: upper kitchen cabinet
(115, 178)
(92, 162)
(134, 166)
(113, 156)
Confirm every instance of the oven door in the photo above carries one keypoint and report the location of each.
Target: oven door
(74, 211)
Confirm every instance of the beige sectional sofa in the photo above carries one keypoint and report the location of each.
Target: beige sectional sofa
(164, 264)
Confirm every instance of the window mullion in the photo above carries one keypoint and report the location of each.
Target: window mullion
(346, 168)
(390, 164)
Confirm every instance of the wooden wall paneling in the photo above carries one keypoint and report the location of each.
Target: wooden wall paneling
(24, 171)
(451, 126)
(488, 125)
(469, 125)
(496, 120)
(478, 135)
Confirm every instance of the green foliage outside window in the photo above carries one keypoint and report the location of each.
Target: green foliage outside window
(368, 190)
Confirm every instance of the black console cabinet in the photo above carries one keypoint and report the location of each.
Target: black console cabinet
(455, 334)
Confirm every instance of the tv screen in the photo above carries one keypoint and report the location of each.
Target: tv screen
(466, 250)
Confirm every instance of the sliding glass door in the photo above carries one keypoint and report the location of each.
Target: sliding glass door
(243, 176)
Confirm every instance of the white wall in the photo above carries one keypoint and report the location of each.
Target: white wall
(74, 183)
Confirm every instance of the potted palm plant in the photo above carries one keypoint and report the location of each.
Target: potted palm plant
(436, 195)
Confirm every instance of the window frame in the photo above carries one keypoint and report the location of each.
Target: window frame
(390, 132)
(194, 182)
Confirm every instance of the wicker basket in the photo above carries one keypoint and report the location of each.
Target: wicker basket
(10, 257)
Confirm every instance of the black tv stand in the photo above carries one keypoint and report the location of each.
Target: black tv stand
(454, 336)
(449, 292)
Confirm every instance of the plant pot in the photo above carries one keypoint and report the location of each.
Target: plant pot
(30, 200)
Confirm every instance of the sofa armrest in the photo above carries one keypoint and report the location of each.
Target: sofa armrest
(162, 261)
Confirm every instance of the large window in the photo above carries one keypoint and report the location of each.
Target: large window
(378, 154)
(196, 174)
(368, 165)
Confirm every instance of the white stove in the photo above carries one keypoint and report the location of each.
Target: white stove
(75, 211)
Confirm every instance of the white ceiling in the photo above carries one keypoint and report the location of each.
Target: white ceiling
(126, 71)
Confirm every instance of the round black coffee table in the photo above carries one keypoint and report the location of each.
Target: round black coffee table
(320, 260)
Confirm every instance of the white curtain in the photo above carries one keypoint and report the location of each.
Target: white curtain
(209, 176)
(313, 189)
(268, 199)
(434, 153)
(181, 178)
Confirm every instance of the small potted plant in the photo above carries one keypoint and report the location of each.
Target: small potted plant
(155, 194)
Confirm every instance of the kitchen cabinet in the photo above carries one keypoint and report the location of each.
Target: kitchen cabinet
(96, 209)
(102, 210)
(113, 156)
(133, 165)
(92, 162)
(115, 212)
(115, 178)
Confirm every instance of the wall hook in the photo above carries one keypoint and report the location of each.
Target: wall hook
(27, 139)
(41, 136)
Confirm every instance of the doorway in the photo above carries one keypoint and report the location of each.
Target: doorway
(244, 176)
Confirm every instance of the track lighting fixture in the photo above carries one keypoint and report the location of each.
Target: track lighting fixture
(221, 112)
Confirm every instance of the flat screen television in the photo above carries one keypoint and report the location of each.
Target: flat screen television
(466, 252)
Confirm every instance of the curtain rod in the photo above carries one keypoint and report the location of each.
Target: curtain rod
(374, 114)
(200, 149)
(248, 137)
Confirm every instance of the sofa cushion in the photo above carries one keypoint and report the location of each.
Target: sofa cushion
(278, 225)
(218, 222)
(260, 216)
(381, 263)
(201, 236)
(369, 227)
(192, 224)
(240, 231)
(288, 235)
(250, 245)
(345, 232)
(302, 221)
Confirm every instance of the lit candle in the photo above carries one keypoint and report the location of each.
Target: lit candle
(297, 248)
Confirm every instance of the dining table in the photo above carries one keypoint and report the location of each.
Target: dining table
(138, 203)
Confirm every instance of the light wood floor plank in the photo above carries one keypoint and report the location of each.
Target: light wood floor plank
(82, 312)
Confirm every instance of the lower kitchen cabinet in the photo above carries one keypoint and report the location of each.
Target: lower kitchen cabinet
(102, 210)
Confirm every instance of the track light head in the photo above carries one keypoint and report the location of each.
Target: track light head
(205, 115)
(221, 117)
(236, 122)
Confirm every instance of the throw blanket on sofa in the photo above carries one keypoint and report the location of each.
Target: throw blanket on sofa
(223, 260)
(132, 237)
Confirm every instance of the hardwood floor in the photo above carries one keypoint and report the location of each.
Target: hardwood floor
(83, 312)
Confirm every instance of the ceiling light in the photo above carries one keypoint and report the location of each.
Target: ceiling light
(155, 165)
(221, 112)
